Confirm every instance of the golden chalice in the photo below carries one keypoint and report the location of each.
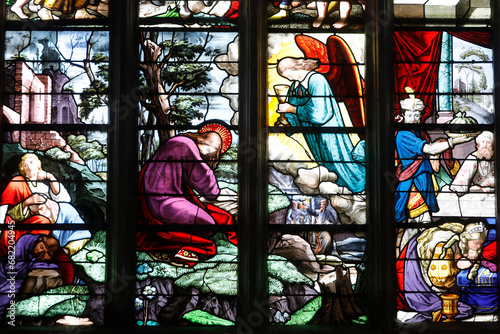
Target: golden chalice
(450, 306)
(282, 96)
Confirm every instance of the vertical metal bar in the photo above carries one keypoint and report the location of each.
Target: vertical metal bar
(2, 74)
(380, 255)
(495, 22)
(122, 185)
(253, 179)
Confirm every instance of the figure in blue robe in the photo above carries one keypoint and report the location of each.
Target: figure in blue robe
(409, 146)
(317, 107)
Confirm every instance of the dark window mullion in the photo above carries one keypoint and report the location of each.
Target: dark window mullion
(380, 164)
(253, 179)
(122, 189)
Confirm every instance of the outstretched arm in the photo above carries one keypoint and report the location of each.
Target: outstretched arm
(439, 147)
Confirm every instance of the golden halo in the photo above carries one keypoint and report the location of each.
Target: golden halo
(222, 131)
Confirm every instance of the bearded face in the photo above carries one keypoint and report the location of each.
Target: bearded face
(40, 252)
(485, 149)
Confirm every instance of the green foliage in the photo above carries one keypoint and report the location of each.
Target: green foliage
(185, 110)
(191, 75)
(86, 150)
(275, 286)
(94, 96)
(224, 247)
(231, 154)
(205, 318)
(475, 53)
(217, 274)
(73, 306)
(221, 279)
(171, 12)
(183, 68)
(305, 314)
(10, 2)
(38, 305)
(94, 256)
(474, 86)
(96, 270)
(58, 154)
(228, 166)
(277, 199)
(14, 59)
(483, 83)
(160, 269)
(280, 268)
(102, 67)
(182, 50)
(91, 98)
(19, 57)
(362, 320)
(180, 72)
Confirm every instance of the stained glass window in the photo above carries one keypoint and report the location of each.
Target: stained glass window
(445, 202)
(187, 259)
(54, 166)
(317, 201)
(54, 175)
(248, 166)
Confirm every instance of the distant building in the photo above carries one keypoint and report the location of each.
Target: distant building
(64, 109)
(38, 99)
(459, 86)
(50, 58)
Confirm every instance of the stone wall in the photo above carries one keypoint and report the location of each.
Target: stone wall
(41, 140)
(32, 95)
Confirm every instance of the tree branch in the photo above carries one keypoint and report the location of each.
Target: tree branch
(177, 84)
(166, 59)
(86, 62)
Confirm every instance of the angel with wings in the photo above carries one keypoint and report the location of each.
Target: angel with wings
(327, 75)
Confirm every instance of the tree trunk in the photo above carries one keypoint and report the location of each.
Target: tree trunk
(338, 305)
(160, 101)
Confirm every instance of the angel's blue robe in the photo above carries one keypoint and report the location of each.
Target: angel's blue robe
(317, 107)
(409, 146)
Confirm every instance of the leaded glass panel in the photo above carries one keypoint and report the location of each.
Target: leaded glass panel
(317, 199)
(56, 9)
(190, 13)
(187, 257)
(54, 172)
(445, 201)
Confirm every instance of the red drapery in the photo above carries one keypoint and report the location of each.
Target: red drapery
(480, 38)
(417, 55)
